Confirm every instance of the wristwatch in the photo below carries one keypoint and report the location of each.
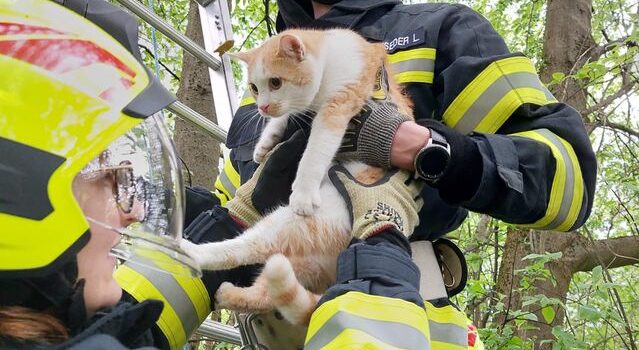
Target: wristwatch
(432, 160)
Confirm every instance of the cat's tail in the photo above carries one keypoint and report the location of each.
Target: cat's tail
(293, 301)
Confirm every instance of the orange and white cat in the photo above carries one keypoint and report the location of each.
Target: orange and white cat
(332, 73)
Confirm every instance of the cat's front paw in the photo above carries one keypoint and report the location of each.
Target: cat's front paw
(305, 202)
(266, 143)
(192, 250)
(260, 153)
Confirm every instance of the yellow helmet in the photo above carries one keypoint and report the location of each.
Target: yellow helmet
(68, 89)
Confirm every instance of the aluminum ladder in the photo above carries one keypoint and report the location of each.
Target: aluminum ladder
(216, 29)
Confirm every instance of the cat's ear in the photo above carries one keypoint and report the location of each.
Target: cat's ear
(291, 46)
(244, 56)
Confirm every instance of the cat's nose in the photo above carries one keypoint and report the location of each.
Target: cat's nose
(264, 108)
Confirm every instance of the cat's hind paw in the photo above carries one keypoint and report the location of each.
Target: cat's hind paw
(225, 295)
(249, 299)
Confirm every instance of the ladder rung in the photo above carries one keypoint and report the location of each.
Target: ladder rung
(186, 113)
(218, 331)
(158, 23)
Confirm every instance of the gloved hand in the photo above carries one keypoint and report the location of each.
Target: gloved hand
(390, 203)
(369, 135)
(270, 185)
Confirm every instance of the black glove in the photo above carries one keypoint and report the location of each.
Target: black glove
(273, 188)
(216, 225)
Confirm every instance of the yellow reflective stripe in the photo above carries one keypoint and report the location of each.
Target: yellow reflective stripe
(196, 291)
(509, 83)
(355, 339)
(231, 173)
(413, 66)
(448, 328)
(221, 196)
(194, 288)
(228, 181)
(141, 289)
(405, 55)
(247, 101)
(414, 77)
(220, 191)
(567, 189)
(385, 331)
(503, 109)
(372, 307)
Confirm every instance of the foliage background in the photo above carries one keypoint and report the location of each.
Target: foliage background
(601, 304)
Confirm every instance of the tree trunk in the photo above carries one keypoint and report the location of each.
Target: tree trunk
(197, 149)
(568, 44)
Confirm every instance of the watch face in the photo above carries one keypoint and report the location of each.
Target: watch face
(433, 162)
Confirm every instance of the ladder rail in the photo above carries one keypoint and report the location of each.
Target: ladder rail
(186, 113)
(165, 28)
(216, 29)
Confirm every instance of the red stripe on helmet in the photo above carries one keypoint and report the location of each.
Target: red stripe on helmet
(7, 28)
(61, 55)
(109, 93)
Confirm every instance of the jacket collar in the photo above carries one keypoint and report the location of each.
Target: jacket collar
(345, 14)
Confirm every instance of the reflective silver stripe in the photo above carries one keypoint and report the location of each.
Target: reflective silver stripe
(395, 334)
(568, 190)
(416, 64)
(489, 98)
(448, 333)
(549, 95)
(226, 182)
(172, 292)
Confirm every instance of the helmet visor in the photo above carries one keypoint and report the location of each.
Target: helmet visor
(148, 190)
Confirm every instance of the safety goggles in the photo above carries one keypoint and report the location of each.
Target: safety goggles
(147, 181)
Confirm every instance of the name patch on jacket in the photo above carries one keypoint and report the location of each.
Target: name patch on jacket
(416, 37)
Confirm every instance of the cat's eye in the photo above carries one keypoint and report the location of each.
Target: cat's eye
(253, 88)
(275, 83)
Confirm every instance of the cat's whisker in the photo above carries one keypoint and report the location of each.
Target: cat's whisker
(250, 121)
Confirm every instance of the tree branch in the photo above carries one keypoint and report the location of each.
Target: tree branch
(614, 252)
(622, 128)
(626, 88)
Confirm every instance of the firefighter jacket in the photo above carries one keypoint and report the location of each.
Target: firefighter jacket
(517, 154)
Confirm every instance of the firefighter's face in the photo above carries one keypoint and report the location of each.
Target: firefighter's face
(95, 194)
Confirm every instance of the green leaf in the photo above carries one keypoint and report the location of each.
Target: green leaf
(597, 274)
(589, 313)
(558, 76)
(549, 314)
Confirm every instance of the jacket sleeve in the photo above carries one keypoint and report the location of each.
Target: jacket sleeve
(517, 153)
